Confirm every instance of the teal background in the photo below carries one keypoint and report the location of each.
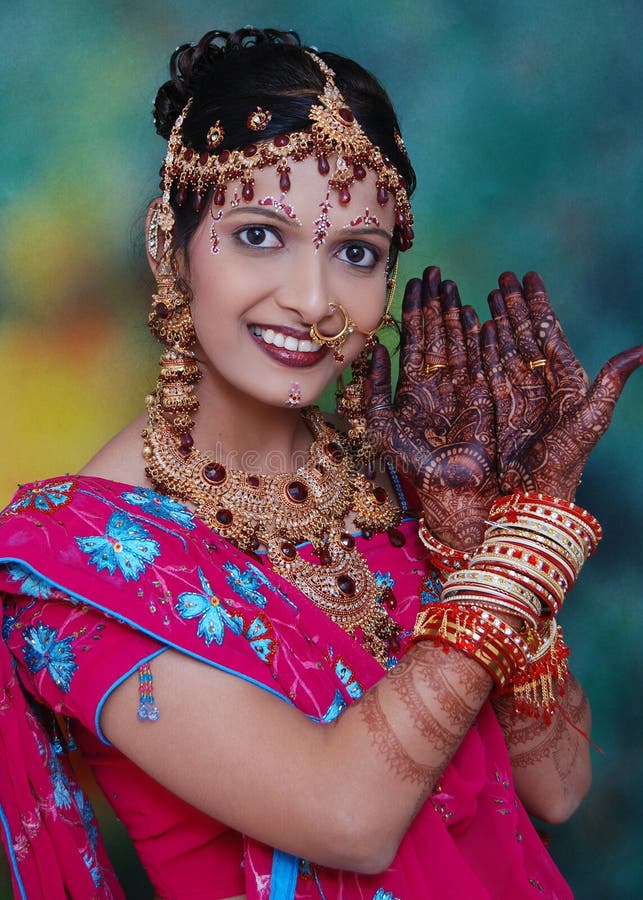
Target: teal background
(524, 123)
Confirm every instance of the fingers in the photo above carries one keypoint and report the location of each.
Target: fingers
(455, 341)
(606, 389)
(377, 390)
(435, 343)
(412, 342)
(471, 326)
(519, 317)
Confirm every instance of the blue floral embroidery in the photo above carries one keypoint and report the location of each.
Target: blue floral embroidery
(246, 584)
(59, 782)
(156, 504)
(43, 651)
(431, 589)
(46, 497)
(345, 675)
(32, 585)
(257, 634)
(384, 580)
(381, 894)
(125, 546)
(87, 815)
(91, 862)
(214, 616)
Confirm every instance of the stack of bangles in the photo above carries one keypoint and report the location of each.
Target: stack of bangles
(530, 558)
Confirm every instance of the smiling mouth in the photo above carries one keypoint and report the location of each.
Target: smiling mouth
(281, 340)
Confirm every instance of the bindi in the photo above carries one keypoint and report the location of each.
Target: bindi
(366, 219)
(282, 206)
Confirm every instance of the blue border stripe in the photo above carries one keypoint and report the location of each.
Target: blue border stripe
(283, 877)
(12, 855)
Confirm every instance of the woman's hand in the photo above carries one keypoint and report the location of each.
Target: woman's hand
(439, 429)
(548, 416)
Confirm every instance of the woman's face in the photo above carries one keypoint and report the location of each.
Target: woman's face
(276, 269)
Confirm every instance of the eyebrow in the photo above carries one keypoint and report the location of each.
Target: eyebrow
(267, 211)
(369, 230)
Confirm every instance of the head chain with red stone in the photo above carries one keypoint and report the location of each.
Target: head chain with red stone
(335, 134)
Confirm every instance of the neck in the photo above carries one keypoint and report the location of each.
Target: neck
(243, 433)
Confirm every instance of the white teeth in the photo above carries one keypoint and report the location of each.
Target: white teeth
(287, 341)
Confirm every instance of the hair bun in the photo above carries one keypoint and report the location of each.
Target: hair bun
(190, 62)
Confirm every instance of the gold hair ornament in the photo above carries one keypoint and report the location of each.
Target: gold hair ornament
(335, 139)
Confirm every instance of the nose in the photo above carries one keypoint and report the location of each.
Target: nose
(305, 289)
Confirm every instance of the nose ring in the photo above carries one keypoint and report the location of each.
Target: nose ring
(334, 342)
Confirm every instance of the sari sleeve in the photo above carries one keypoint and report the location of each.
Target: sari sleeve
(70, 657)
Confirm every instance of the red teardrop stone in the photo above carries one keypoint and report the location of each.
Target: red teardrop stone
(347, 540)
(396, 537)
(288, 550)
(297, 491)
(344, 196)
(284, 182)
(250, 150)
(335, 452)
(388, 599)
(346, 114)
(247, 191)
(197, 202)
(400, 218)
(223, 517)
(346, 585)
(203, 158)
(380, 494)
(188, 154)
(359, 172)
(219, 197)
(161, 311)
(224, 156)
(324, 556)
(382, 195)
(214, 472)
(181, 195)
(323, 166)
(281, 140)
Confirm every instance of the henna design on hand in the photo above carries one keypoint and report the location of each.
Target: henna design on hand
(548, 418)
(439, 429)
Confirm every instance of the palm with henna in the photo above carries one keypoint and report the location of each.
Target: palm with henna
(439, 430)
(548, 416)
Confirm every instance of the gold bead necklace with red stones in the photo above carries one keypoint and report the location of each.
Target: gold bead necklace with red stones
(277, 512)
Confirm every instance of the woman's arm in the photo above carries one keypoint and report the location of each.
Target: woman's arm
(341, 795)
(551, 763)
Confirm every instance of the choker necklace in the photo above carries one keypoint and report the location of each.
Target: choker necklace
(277, 512)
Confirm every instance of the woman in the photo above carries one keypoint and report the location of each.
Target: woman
(333, 700)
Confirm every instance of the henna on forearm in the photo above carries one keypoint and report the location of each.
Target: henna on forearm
(532, 743)
(417, 716)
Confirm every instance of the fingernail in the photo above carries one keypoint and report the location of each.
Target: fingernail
(431, 281)
(534, 283)
(451, 297)
(509, 284)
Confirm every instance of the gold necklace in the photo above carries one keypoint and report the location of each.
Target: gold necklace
(280, 511)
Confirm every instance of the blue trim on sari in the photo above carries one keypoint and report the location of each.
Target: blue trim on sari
(283, 878)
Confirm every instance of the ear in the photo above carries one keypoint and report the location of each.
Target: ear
(154, 235)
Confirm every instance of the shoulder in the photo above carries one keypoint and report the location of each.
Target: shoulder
(120, 459)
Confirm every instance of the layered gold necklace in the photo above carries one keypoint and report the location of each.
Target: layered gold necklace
(278, 512)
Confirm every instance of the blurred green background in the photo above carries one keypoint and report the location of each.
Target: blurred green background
(524, 123)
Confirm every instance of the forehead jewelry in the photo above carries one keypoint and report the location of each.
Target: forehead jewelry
(343, 151)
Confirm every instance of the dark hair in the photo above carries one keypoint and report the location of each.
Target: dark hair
(230, 73)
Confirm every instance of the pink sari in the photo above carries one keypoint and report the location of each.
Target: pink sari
(85, 558)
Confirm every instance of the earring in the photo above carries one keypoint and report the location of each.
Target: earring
(170, 321)
(350, 398)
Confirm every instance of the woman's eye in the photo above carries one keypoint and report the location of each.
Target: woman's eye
(359, 255)
(258, 236)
